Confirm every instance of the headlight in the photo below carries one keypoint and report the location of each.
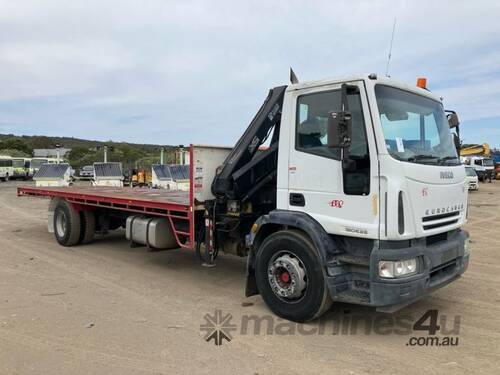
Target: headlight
(391, 269)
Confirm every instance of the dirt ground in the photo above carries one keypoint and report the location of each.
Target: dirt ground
(106, 308)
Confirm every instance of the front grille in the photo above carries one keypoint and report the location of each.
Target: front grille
(440, 220)
(440, 216)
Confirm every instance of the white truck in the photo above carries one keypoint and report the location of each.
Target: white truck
(471, 178)
(358, 197)
(484, 166)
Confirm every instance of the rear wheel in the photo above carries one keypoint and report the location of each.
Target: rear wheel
(290, 277)
(87, 231)
(67, 224)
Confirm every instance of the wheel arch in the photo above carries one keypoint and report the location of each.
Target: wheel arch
(281, 219)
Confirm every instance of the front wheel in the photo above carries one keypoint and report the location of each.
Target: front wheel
(290, 277)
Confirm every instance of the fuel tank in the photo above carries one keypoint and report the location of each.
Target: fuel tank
(150, 231)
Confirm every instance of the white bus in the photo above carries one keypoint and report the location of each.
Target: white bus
(21, 168)
(6, 169)
(36, 163)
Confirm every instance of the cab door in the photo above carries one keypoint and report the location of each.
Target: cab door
(344, 200)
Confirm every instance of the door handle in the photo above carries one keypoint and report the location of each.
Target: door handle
(297, 199)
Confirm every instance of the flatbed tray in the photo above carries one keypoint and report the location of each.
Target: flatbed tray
(112, 197)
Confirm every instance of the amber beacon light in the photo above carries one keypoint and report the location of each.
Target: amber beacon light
(422, 83)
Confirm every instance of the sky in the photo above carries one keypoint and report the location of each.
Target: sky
(180, 72)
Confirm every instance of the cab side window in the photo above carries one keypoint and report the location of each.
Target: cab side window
(311, 136)
(312, 123)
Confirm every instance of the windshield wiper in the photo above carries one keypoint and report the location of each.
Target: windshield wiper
(445, 158)
(416, 158)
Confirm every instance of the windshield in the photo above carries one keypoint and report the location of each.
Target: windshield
(488, 162)
(415, 127)
(18, 163)
(470, 172)
(37, 163)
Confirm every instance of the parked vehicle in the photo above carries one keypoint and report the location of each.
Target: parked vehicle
(6, 168)
(471, 178)
(36, 163)
(86, 172)
(360, 197)
(138, 177)
(21, 168)
(483, 166)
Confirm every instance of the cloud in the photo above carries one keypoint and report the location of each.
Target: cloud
(196, 71)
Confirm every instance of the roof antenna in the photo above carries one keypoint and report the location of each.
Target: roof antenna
(390, 49)
(293, 77)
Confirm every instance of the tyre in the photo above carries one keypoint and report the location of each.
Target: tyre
(87, 227)
(290, 277)
(67, 224)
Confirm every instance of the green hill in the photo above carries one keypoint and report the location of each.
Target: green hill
(84, 152)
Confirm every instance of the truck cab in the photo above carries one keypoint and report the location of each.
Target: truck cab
(484, 166)
(400, 169)
(367, 180)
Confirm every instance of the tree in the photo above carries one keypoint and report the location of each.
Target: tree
(42, 142)
(77, 153)
(16, 144)
(14, 153)
(130, 155)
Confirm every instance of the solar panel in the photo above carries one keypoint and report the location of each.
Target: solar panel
(162, 172)
(179, 172)
(51, 171)
(108, 170)
(185, 171)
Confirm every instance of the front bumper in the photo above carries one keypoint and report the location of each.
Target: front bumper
(439, 264)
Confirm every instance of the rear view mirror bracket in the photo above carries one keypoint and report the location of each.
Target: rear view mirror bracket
(340, 123)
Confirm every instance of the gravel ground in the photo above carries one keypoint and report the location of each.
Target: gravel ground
(107, 308)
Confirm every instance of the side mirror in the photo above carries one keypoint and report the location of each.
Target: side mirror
(453, 120)
(339, 129)
(453, 123)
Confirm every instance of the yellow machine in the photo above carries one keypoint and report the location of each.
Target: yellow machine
(141, 177)
(479, 150)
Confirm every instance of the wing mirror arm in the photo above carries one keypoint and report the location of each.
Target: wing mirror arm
(454, 123)
(340, 125)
